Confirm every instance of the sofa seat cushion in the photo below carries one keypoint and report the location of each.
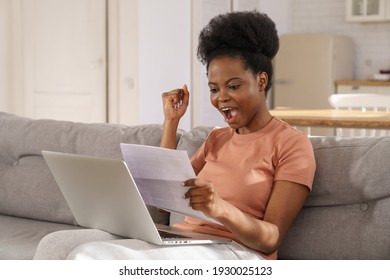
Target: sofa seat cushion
(19, 237)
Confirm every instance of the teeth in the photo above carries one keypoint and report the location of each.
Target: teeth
(226, 109)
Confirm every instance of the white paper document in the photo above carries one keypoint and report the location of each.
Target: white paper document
(159, 174)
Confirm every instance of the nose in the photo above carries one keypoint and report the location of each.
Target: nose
(223, 95)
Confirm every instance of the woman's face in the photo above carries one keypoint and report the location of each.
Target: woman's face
(238, 94)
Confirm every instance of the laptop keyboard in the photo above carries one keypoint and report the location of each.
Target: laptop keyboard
(169, 235)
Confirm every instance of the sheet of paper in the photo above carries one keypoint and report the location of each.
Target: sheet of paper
(159, 174)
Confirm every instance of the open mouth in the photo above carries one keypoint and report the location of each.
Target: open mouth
(229, 113)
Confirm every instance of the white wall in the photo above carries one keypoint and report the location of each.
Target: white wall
(4, 55)
(371, 39)
(280, 11)
(164, 44)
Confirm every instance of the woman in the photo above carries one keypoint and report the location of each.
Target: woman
(253, 176)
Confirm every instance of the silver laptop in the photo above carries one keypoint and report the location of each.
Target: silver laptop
(102, 194)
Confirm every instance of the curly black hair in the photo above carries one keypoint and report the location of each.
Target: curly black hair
(249, 35)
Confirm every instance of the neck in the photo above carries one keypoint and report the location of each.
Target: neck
(260, 124)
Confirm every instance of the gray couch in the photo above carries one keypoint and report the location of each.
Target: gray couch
(347, 215)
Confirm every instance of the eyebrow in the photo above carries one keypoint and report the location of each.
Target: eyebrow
(228, 81)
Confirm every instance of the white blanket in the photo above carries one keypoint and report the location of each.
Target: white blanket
(133, 249)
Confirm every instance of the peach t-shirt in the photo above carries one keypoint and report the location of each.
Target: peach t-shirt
(243, 168)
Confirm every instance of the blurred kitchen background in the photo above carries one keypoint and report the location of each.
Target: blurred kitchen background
(110, 60)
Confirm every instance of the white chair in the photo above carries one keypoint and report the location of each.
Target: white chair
(364, 102)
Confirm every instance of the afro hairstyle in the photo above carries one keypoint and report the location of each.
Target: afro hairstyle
(249, 35)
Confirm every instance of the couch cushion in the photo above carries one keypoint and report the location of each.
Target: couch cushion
(27, 188)
(58, 245)
(343, 232)
(350, 170)
(19, 237)
(347, 214)
(192, 140)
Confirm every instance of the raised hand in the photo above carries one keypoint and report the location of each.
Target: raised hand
(175, 103)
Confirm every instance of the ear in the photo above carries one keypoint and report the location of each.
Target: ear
(262, 80)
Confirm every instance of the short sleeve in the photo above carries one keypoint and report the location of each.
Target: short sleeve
(198, 159)
(295, 161)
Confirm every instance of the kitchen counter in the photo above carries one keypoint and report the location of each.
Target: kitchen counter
(362, 83)
(363, 86)
(334, 118)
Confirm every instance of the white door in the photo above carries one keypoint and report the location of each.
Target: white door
(64, 59)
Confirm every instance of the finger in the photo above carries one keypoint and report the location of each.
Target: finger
(200, 206)
(173, 93)
(200, 198)
(196, 182)
(172, 98)
(195, 200)
(207, 192)
(191, 192)
(189, 182)
(176, 98)
(179, 99)
(185, 95)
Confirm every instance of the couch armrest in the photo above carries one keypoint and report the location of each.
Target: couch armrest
(57, 245)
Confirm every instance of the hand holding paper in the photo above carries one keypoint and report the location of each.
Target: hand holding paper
(159, 174)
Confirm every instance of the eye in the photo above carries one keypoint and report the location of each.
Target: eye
(213, 90)
(234, 87)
